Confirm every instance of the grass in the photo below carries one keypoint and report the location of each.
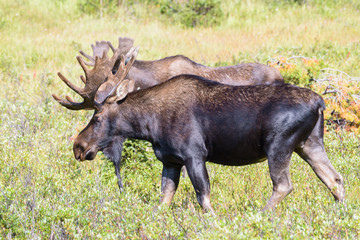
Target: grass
(46, 193)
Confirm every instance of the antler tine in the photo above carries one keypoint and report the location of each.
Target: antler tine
(121, 70)
(70, 104)
(91, 58)
(97, 61)
(91, 63)
(82, 64)
(131, 61)
(70, 85)
(83, 79)
(98, 50)
(113, 60)
(111, 46)
(124, 69)
(130, 53)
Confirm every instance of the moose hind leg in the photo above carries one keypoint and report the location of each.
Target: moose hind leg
(313, 152)
(280, 177)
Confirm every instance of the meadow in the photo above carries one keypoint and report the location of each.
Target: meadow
(46, 194)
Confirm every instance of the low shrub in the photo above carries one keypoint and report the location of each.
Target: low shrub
(297, 70)
(339, 90)
(97, 7)
(341, 94)
(192, 13)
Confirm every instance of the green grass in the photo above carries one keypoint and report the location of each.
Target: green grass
(46, 193)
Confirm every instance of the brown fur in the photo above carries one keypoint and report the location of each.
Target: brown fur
(149, 73)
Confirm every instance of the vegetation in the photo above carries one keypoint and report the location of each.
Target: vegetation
(46, 193)
(192, 13)
(341, 91)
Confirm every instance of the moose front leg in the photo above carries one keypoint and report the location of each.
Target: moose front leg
(200, 179)
(169, 183)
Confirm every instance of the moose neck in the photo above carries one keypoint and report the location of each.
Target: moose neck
(149, 114)
(143, 75)
(136, 118)
(150, 73)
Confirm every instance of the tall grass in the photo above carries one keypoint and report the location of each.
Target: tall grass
(45, 193)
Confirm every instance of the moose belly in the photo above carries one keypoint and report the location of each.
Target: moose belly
(238, 157)
(231, 160)
(236, 148)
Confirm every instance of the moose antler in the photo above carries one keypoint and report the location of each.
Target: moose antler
(93, 79)
(113, 81)
(125, 45)
(98, 49)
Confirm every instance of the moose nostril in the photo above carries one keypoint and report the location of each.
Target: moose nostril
(77, 155)
(89, 155)
(78, 149)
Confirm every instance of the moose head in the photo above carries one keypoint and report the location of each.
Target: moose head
(101, 87)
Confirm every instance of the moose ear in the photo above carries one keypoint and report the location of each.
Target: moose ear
(103, 91)
(122, 90)
(131, 85)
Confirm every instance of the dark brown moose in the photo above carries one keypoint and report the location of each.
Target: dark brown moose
(149, 73)
(191, 120)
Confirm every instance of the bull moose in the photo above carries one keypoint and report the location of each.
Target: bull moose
(190, 120)
(148, 73)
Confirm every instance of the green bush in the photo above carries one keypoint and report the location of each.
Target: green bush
(193, 13)
(137, 150)
(297, 70)
(97, 7)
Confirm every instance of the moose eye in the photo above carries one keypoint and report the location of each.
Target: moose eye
(96, 119)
